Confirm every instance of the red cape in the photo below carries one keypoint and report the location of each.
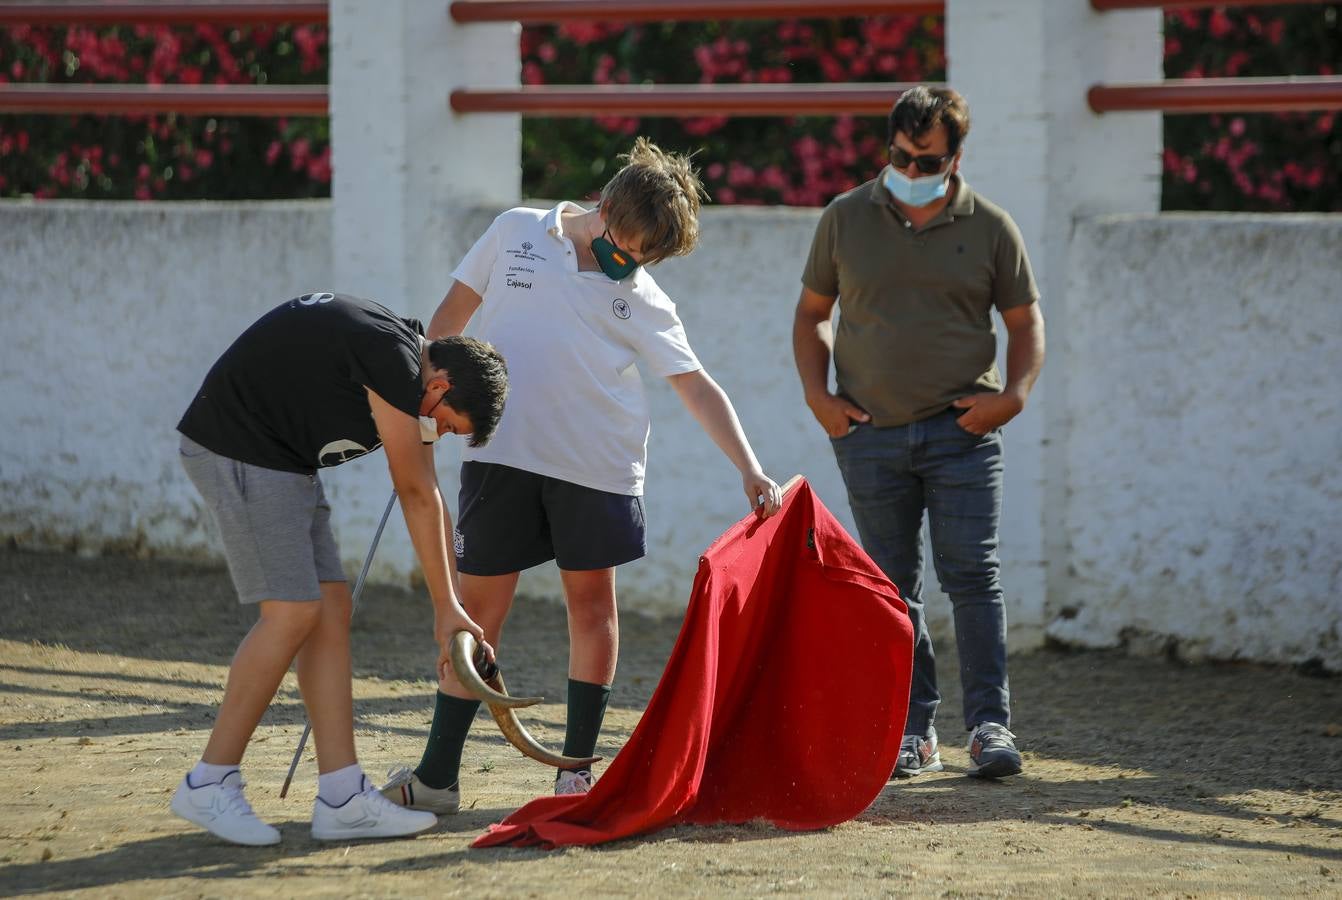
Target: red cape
(784, 698)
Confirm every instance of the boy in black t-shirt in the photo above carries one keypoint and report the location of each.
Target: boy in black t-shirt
(317, 381)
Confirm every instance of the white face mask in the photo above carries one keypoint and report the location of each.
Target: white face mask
(428, 429)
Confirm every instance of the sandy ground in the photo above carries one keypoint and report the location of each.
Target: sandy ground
(1143, 777)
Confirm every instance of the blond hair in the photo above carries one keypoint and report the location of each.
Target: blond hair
(656, 196)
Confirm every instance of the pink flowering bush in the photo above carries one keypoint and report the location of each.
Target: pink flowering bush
(1231, 162)
(1265, 162)
(798, 161)
(164, 157)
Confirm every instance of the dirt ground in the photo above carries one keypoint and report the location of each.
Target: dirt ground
(1143, 777)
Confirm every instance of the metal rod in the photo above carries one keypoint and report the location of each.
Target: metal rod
(187, 99)
(1107, 5)
(354, 604)
(862, 99)
(541, 11)
(234, 13)
(1209, 95)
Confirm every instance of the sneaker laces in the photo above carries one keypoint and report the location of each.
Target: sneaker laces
(992, 734)
(398, 776)
(236, 802)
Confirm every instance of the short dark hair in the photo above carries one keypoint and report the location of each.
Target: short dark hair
(920, 109)
(479, 382)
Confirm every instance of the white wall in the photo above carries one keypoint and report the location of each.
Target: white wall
(110, 314)
(113, 312)
(1199, 433)
(1203, 437)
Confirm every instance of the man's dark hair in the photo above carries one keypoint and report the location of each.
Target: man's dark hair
(479, 382)
(920, 109)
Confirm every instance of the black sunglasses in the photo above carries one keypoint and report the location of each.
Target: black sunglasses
(928, 165)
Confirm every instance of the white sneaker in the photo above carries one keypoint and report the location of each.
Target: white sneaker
(223, 811)
(568, 783)
(367, 814)
(404, 788)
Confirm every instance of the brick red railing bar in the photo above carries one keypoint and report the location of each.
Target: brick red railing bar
(260, 12)
(192, 99)
(679, 10)
(1210, 95)
(1107, 5)
(866, 99)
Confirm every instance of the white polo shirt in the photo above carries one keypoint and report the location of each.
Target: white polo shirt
(576, 409)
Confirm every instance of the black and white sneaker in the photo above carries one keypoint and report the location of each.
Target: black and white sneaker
(918, 753)
(568, 783)
(992, 752)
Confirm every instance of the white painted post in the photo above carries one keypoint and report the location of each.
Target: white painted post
(1037, 150)
(404, 163)
(406, 173)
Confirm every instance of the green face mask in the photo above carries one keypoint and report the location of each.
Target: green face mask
(616, 263)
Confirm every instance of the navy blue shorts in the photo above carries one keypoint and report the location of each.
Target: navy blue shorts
(510, 519)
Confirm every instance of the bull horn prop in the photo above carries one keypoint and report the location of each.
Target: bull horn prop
(494, 693)
(464, 649)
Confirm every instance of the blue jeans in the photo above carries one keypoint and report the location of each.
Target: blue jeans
(892, 475)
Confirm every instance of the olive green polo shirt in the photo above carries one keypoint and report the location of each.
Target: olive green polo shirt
(915, 328)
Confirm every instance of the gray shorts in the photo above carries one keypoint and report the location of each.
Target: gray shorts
(275, 526)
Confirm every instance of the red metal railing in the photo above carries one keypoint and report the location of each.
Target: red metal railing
(531, 11)
(256, 12)
(141, 99)
(1107, 5)
(1209, 95)
(867, 99)
(1212, 95)
(187, 99)
(1172, 97)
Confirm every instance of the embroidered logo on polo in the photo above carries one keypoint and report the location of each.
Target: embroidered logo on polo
(524, 252)
(621, 308)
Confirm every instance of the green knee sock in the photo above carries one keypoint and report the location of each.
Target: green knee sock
(586, 710)
(452, 719)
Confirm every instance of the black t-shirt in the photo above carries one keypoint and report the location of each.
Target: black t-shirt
(289, 394)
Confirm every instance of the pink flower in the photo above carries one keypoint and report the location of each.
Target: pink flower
(273, 152)
(300, 151)
(319, 168)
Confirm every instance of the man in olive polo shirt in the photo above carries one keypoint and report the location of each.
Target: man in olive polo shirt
(918, 261)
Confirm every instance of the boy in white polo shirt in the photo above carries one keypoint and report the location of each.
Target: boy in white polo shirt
(565, 297)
